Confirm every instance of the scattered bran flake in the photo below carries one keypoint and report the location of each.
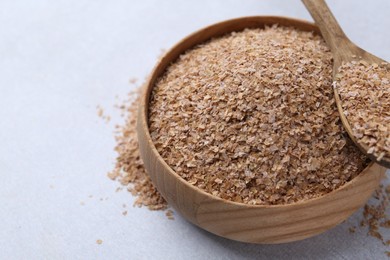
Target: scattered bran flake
(365, 95)
(374, 214)
(129, 169)
(101, 114)
(124, 213)
(133, 80)
(250, 117)
(82, 203)
(113, 175)
(169, 214)
(376, 234)
(386, 224)
(352, 229)
(100, 111)
(99, 241)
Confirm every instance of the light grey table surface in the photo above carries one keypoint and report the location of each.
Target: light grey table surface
(58, 61)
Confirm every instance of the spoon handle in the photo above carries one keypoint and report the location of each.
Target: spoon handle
(330, 29)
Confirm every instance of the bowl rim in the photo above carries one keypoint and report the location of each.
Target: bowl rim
(149, 84)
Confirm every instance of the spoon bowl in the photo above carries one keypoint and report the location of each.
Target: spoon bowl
(247, 223)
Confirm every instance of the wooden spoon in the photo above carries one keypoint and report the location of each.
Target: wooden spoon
(343, 50)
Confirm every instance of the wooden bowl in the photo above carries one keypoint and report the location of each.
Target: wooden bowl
(238, 221)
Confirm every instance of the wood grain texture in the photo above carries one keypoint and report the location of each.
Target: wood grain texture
(242, 222)
(343, 50)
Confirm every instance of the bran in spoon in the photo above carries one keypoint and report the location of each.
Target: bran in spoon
(365, 95)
